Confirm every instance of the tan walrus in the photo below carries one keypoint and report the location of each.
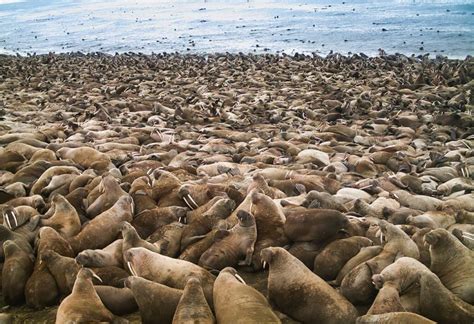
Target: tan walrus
(83, 304)
(301, 294)
(234, 301)
(192, 306)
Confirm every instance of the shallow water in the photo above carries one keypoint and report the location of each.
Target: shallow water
(41, 26)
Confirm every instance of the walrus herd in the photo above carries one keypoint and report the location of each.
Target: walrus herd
(232, 188)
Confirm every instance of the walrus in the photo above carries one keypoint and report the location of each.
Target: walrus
(432, 219)
(236, 301)
(83, 304)
(441, 305)
(157, 303)
(104, 228)
(35, 201)
(167, 239)
(394, 318)
(132, 240)
(15, 217)
(192, 306)
(193, 252)
(148, 221)
(119, 301)
(22, 242)
(356, 285)
(111, 255)
(400, 280)
(47, 175)
(332, 258)
(41, 288)
(452, 262)
(166, 270)
(65, 218)
(87, 157)
(63, 269)
(233, 245)
(313, 224)
(16, 270)
(420, 202)
(300, 293)
(201, 224)
(270, 225)
(365, 254)
(464, 237)
(323, 200)
(110, 192)
(259, 182)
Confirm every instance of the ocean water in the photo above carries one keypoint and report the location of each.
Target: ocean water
(267, 26)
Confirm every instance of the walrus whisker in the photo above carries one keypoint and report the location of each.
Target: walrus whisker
(240, 278)
(132, 270)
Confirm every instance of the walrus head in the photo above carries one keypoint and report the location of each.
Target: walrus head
(377, 280)
(245, 219)
(435, 236)
(267, 256)
(10, 218)
(233, 272)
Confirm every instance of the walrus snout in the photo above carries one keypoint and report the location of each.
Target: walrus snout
(377, 280)
(432, 237)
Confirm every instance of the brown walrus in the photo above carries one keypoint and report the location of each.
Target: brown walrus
(166, 270)
(332, 258)
(16, 270)
(235, 301)
(104, 228)
(65, 219)
(313, 224)
(232, 246)
(452, 262)
(157, 303)
(440, 304)
(83, 304)
(119, 301)
(110, 191)
(192, 306)
(301, 294)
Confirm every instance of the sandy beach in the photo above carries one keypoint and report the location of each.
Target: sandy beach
(372, 132)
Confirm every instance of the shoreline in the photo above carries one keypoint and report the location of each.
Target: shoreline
(430, 56)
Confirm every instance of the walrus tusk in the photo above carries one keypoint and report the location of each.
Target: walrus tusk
(264, 265)
(240, 278)
(381, 237)
(365, 187)
(14, 218)
(468, 234)
(187, 203)
(192, 200)
(468, 237)
(132, 270)
(8, 221)
(96, 276)
(182, 219)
